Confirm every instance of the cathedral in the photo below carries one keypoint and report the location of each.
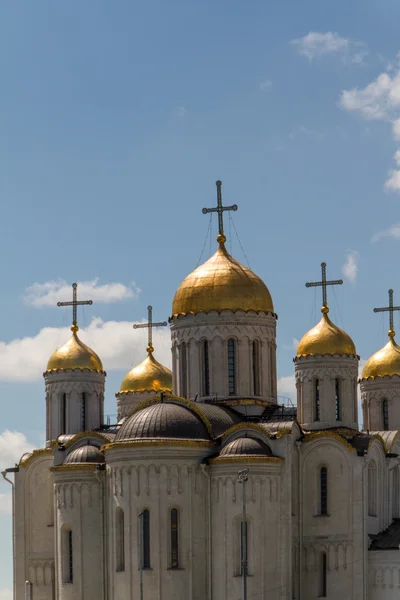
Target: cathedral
(206, 487)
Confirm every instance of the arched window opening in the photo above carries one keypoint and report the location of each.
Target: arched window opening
(120, 539)
(322, 592)
(232, 367)
(63, 413)
(83, 411)
(238, 544)
(174, 539)
(395, 494)
(372, 489)
(183, 370)
(144, 520)
(323, 491)
(256, 367)
(68, 559)
(206, 369)
(337, 400)
(316, 400)
(385, 414)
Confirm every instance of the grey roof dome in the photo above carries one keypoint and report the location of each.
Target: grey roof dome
(85, 454)
(163, 420)
(245, 446)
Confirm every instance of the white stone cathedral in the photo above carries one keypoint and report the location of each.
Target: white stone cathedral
(152, 507)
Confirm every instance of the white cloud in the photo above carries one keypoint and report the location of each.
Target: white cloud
(49, 293)
(393, 232)
(316, 44)
(6, 594)
(13, 444)
(349, 269)
(287, 388)
(117, 344)
(180, 112)
(265, 85)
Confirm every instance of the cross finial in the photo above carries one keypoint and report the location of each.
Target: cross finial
(149, 325)
(324, 283)
(75, 303)
(390, 309)
(220, 210)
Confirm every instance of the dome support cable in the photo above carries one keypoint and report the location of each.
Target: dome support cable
(205, 241)
(390, 309)
(324, 283)
(149, 325)
(240, 244)
(75, 303)
(219, 209)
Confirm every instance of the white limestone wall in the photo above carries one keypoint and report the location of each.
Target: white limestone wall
(327, 369)
(373, 392)
(158, 478)
(342, 533)
(126, 403)
(384, 575)
(190, 331)
(73, 384)
(34, 528)
(79, 507)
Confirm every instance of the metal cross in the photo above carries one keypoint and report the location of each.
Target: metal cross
(390, 309)
(219, 208)
(150, 326)
(324, 283)
(75, 303)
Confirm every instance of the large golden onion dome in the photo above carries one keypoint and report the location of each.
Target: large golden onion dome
(325, 338)
(221, 283)
(74, 355)
(149, 376)
(385, 362)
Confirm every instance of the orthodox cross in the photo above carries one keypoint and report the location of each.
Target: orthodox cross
(149, 325)
(219, 209)
(324, 283)
(75, 303)
(390, 309)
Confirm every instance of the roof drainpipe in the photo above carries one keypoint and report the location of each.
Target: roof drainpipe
(209, 561)
(4, 474)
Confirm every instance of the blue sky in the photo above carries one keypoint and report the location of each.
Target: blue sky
(115, 121)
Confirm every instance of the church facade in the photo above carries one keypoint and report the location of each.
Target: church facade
(152, 507)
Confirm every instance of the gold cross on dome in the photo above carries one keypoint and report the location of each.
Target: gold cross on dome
(75, 303)
(220, 210)
(149, 325)
(390, 309)
(324, 283)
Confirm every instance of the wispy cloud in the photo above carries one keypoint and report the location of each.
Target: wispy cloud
(50, 292)
(118, 346)
(302, 130)
(13, 444)
(287, 388)
(180, 112)
(266, 85)
(350, 267)
(316, 45)
(393, 231)
(292, 346)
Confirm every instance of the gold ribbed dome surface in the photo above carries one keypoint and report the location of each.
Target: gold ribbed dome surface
(325, 338)
(384, 362)
(149, 376)
(221, 283)
(74, 355)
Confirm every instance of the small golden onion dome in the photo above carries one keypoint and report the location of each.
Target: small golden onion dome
(74, 355)
(325, 338)
(149, 376)
(384, 362)
(221, 283)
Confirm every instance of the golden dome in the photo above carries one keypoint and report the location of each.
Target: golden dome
(149, 376)
(74, 355)
(325, 338)
(384, 362)
(221, 283)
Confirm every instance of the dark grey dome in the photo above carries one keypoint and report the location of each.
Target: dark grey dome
(245, 446)
(85, 454)
(163, 420)
(220, 417)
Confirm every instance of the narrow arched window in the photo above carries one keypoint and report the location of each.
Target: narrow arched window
(323, 491)
(256, 368)
(174, 539)
(385, 414)
(67, 556)
(232, 367)
(63, 413)
(395, 493)
(322, 592)
(183, 370)
(206, 369)
(372, 489)
(120, 539)
(337, 399)
(316, 400)
(145, 538)
(83, 411)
